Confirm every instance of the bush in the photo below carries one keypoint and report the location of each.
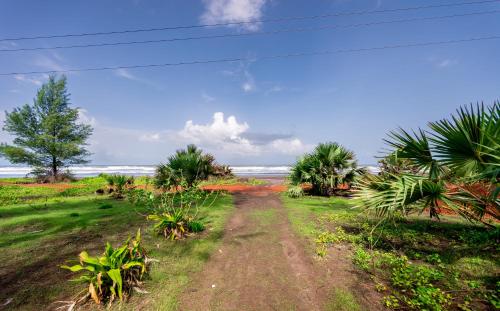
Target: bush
(184, 168)
(118, 184)
(295, 192)
(330, 168)
(115, 273)
(175, 213)
(187, 167)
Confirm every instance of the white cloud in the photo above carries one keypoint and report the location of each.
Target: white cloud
(124, 73)
(85, 118)
(446, 63)
(226, 138)
(207, 98)
(248, 84)
(233, 11)
(232, 136)
(152, 137)
(33, 80)
(50, 62)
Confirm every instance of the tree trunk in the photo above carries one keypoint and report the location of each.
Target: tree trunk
(54, 168)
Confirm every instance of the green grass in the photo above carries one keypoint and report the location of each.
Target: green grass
(233, 181)
(37, 237)
(410, 257)
(179, 260)
(342, 300)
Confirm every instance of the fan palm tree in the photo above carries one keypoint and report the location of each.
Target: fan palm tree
(185, 166)
(456, 164)
(326, 168)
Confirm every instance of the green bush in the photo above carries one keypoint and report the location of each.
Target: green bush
(327, 168)
(295, 192)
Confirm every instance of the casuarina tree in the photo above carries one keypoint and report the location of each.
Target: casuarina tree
(47, 134)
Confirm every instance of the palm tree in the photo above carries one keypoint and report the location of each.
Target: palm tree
(455, 164)
(185, 166)
(326, 168)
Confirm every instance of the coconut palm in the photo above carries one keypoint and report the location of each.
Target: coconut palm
(455, 164)
(326, 168)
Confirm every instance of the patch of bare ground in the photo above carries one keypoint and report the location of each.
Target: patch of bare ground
(262, 265)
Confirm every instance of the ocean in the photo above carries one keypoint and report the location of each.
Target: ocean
(148, 170)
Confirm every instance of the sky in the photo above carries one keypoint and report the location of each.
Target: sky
(254, 111)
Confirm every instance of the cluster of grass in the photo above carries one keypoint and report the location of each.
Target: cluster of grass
(417, 263)
(14, 190)
(232, 181)
(39, 236)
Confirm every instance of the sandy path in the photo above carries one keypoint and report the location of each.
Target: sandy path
(258, 267)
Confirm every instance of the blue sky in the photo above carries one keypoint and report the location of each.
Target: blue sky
(251, 112)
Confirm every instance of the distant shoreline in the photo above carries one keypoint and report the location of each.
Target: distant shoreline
(148, 170)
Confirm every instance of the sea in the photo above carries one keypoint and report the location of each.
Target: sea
(148, 170)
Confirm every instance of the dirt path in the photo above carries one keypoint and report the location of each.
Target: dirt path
(261, 264)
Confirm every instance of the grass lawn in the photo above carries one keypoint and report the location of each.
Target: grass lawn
(416, 263)
(39, 235)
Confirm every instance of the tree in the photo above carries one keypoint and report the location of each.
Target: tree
(187, 166)
(47, 136)
(326, 168)
(455, 164)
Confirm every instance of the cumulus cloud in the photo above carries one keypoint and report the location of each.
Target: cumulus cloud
(233, 11)
(225, 137)
(233, 136)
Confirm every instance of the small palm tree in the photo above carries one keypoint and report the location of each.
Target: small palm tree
(455, 164)
(185, 166)
(326, 168)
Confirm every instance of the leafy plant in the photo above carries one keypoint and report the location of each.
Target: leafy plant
(176, 213)
(329, 169)
(187, 166)
(118, 184)
(295, 192)
(454, 165)
(115, 273)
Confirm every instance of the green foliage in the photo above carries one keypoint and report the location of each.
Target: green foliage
(175, 214)
(184, 168)
(328, 167)
(454, 165)
(295, 192)
(118, 184)
(417, 263)
(47, 135)
(115, 273)
(105, 206)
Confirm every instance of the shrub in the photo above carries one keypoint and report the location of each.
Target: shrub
(115, 273)
(187, 167)
(175, 213)
(329, 169)
(295, 192)
(118, 184)
(173, 225)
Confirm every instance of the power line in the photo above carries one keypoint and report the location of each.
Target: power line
(281, 19)
(247, 34)
(268, 57)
